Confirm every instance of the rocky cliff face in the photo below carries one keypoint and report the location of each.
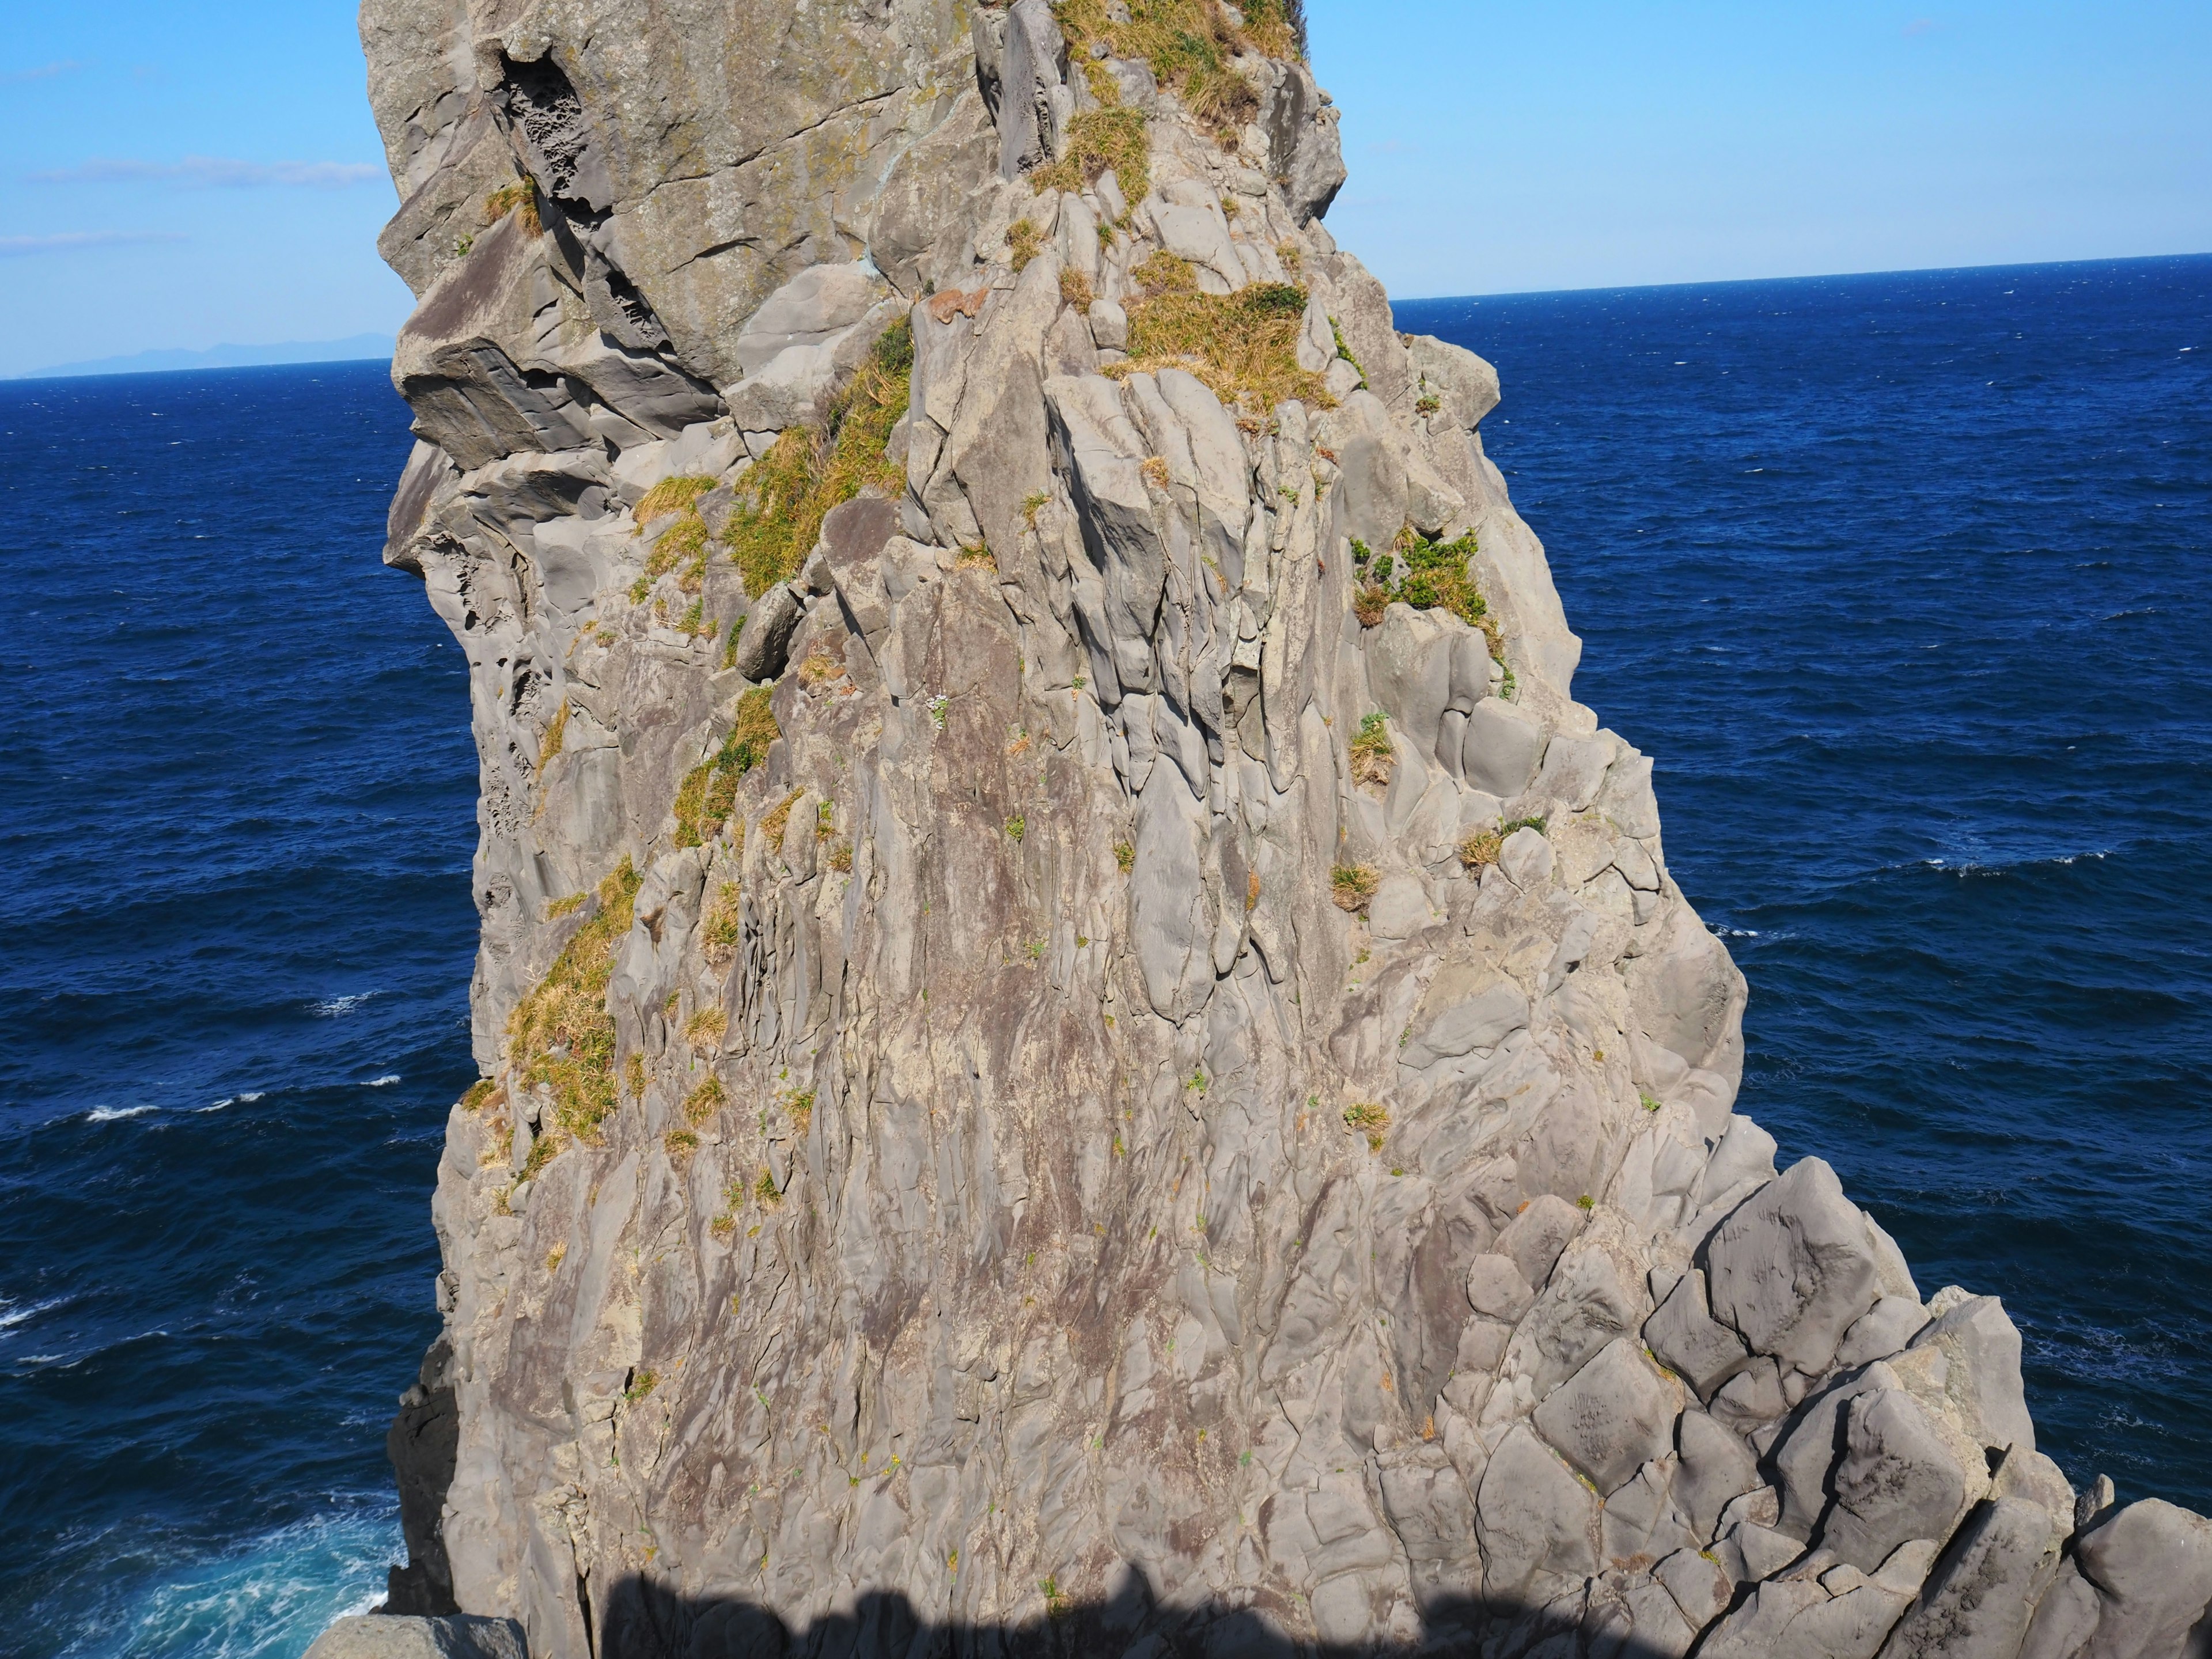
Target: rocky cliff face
(1084, 1047)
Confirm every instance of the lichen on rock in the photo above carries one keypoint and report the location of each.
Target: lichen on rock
(1071, 1062)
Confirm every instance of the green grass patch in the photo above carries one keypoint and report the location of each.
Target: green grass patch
(709, 792)
(1352, 885)
(790, 491)
(1244, 345)
(561, 1034)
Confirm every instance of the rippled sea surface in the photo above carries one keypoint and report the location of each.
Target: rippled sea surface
(1903, 579)
(235, 936)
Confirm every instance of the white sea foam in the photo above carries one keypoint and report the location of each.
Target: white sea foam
(264, 1598)
(246, 1099)
(335, 1007)
(384, 1082)
(13, 1314)
(113, 1113)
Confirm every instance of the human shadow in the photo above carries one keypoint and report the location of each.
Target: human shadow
(642, 1620)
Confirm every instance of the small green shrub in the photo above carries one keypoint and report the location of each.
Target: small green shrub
(1373, 754)
(1352, 885)
(1369, 1119)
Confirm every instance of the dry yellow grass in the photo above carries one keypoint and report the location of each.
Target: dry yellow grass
(1189, 44)
(556, 734)
(723, 931)
(779, 818)
(709, 792)
(670, 495)
(1244, 346)
(561, 1034)
(509, 197)
(1479, 850)
(1102, 141)
(703, 1101)
(791, 490)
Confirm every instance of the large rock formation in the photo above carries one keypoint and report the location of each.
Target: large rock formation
(1085, 1049)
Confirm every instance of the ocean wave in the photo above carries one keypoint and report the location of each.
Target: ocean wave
(246, 1099)
(338, 1007)
(115, 1114)
(1966, 867)
(13, 1314)
(384, 1082)
(267, 1597)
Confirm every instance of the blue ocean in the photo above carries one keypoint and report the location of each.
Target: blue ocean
(1903, 579)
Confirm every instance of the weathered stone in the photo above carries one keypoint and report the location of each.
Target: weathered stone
(1897, 1480)
(458, 1636)
(2151, 1565)
(1792, 1270)
(1612, 1416)
(1717, 1469)
(1688, 1338)
(1533, 1515)
(1985, 1589)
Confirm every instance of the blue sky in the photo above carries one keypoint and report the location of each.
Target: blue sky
(187, 175)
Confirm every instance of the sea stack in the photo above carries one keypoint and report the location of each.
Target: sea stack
(1084, 1050)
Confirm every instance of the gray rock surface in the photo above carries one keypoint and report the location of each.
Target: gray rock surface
(455, 1636)
(1048, 1132)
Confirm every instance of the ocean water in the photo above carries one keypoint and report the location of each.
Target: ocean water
(1902, 579)
(235, 938)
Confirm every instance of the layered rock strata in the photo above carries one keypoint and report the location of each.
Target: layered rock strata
(1095, 1054)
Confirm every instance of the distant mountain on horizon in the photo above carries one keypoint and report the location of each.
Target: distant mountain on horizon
(354, 348)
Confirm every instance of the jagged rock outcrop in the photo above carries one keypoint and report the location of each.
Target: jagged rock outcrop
(1084, 1047)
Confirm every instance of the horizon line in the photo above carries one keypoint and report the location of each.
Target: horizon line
(1803, 276)
(89, 372)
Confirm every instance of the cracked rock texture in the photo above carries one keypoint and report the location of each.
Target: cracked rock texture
(1035, 1208)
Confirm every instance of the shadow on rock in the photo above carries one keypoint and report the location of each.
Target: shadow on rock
(644, 1620)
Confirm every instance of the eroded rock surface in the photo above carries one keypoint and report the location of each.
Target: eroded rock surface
(1079, 1050)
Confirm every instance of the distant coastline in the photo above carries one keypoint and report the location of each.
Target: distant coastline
(357, 347)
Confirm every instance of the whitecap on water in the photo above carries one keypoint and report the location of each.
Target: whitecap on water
(334, 1007)
(384, 1082)
(246, 1099)
(264, 1598)
(111, 1113)
(13, 1314)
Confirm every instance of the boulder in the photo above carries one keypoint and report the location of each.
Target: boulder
(1792, 1270)
(1612, 1416)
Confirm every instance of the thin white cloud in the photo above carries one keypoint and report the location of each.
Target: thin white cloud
(22, 247)
(44, 72)
(216, 173)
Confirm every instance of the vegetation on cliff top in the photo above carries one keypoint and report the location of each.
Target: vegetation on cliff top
(809, 471)
(561, 1034)
(1190, 44)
